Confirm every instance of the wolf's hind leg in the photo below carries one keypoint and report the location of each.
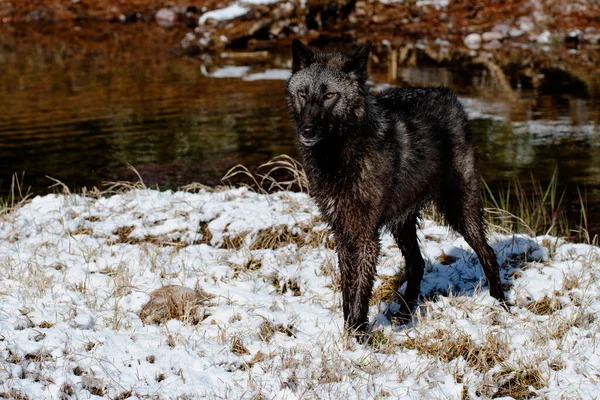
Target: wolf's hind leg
(474, 233)
(463, 208)
(406, 237)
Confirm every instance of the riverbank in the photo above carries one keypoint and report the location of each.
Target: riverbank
(261, 313)
(551, 30)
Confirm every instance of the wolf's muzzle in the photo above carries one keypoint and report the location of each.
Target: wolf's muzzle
(308, 135)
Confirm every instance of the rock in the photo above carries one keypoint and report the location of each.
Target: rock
(128, 18)
(526, 24)
(379, 19)
(473, 41)
(544, 38)
(493, 45)
(287, 10)
(573, 38)
(514, 32)
(490, 36)
(502, 28)
(175, 302)
(166, 17)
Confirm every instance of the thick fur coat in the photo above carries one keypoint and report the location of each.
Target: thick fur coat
(374, 161)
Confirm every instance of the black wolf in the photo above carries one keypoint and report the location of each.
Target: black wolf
(374, 161)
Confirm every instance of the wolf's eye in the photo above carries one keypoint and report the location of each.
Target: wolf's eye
(329, 96)
(301, 93)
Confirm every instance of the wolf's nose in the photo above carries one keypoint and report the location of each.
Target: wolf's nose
(308, 130)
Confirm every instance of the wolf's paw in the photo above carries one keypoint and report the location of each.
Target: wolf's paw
(399, 317)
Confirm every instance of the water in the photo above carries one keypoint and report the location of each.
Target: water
(79, 104)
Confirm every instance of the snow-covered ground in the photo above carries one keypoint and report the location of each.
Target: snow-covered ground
(76, 272)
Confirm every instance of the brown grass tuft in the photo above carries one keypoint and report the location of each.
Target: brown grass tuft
(175, 302)
(544, 306)
(382, 342)
(279, 236)
(450, 344)
(123, 233)
(234, 242)
(93, 385)
(205, 232)
(387, 291)
(291, 285)
(282, 173)
(252, 264)
(237, 345)
(14, 394)
(267, 329)
(446, 259)
(518, 383)
(329, 269)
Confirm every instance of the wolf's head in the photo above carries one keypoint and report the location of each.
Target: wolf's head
(326, 90)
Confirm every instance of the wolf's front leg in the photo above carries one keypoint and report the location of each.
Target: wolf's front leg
(357, 262)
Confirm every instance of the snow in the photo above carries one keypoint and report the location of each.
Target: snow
(77, 271)
(224, 14)
(232, 11)
(230, 71)
(270, 74)
(243, 72)
(420, 3)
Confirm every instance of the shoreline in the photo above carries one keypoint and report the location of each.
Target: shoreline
(515, 33)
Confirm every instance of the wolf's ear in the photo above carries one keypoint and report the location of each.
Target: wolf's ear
(302, 56)
(358, 60)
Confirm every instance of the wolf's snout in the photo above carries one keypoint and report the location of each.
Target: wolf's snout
(308, 131)
(308, 135)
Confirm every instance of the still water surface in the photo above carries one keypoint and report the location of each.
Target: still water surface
(80, 110)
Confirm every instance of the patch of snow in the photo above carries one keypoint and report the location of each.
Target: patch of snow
(255, 2)
(76, 271)
(224, 14)
(243, 72)
(270, 74)
(420, 3)
(226, 72)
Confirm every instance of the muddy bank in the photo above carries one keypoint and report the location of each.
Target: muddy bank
(510, 35)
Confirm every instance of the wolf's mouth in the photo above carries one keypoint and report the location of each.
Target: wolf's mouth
(308, 141)
(308, 135)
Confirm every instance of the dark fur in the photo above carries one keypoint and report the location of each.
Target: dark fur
(374, 161)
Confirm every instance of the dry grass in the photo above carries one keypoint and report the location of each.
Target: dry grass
(234, 242)
(205, 232)
(250, 265)
(448, 344)
(446, 259)
(383, 342)
(19, 195)
(517, 382)
(267, 329)
(176, 302)
(282, 173)
(279, 236)
(327, 268)
(544, 306)
(237, 345)
(438, 339)
(14, 394)
(387, 291)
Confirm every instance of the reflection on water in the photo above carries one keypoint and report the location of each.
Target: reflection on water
(81, 112)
